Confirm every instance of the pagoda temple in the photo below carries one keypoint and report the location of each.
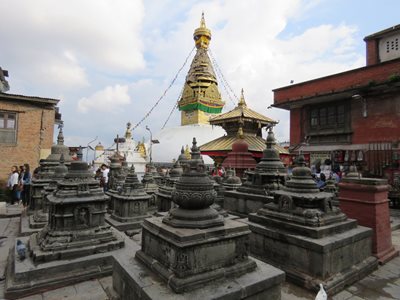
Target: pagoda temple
(251, 123)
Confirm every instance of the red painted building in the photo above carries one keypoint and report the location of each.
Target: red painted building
(353, 116)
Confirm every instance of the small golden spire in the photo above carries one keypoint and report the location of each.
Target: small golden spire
(187, 152)
(242, 102)
(202, 35)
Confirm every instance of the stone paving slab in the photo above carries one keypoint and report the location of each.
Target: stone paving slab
(10, 211)
(382, 284)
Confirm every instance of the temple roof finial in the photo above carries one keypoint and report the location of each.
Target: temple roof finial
(242, 102)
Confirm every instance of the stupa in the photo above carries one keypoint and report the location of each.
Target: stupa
(195, 251)
(164, 193)
(201, 99)
(309, 238)
(131, 204)
(133, 152)
(231, 182)
(39, 218)
(269, 175)
(151, 186)
(75, 245)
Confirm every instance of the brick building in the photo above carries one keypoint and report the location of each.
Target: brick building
(353, 116)
(26, 129)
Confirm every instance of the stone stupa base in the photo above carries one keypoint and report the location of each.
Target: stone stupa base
(38, 222)
(201, 262)
(241, 204)
(24, 228)
(335, 260)
(124, 224)
(26, 277)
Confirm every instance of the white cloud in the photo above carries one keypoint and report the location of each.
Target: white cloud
(110, 100)
(76, 48)
(57, 41)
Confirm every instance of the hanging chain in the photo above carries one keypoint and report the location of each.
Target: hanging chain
(223, 80)
(165, 92)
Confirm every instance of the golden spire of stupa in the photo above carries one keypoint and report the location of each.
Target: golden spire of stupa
(202, 35)
(200, 97)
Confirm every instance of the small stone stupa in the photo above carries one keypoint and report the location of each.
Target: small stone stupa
(76, 244)
(39, 218)
(195, 251)
(269, 175)
(131, 204)
(164, 193)
(151, 186)
(309, 238)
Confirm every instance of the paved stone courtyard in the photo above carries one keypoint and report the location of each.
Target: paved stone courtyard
(382, 284)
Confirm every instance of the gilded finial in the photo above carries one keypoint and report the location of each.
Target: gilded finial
(202, 21)
(202, 35)
(187, 152)
(242, 102)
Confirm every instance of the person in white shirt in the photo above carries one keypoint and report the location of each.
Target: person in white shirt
(104, 178)
(12, 184)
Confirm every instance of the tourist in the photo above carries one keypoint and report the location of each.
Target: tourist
(218, 171)
(20, 184)
(104, 178)
(12, 184)
(321, 181)
(26, 185)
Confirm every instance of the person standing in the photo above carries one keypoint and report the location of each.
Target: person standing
(104, 179)
(12, 184)
(26, 185)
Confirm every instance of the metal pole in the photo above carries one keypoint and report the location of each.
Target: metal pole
(151, 143)
(87, 148)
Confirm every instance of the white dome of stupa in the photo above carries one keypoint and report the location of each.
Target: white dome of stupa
(172, 139)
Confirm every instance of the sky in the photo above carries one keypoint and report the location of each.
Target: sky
(109, 61)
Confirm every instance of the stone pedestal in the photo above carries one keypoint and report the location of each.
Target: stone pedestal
(366, 200)
(309, 238)
(146, 277)
(131, 204)
(193, 251)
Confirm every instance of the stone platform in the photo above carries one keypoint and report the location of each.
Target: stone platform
(241, 203)
(25, 229)
(134, 280)
(25, 277)
(133, 223)
(336, 260)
